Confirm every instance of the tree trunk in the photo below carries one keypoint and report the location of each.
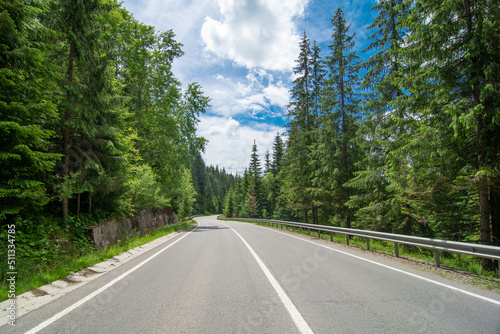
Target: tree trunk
(345, 157)
(484, 221)
(483, 191)
(67, 118)
(495, 216)
(78, 204)
(90, 202)
(495, 213)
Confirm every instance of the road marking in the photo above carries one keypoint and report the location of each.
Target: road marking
(297, 318)
(103, 288)
(493, 301)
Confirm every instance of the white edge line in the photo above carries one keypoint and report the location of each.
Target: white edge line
(493, 301)
(297, 318)
(82, 301)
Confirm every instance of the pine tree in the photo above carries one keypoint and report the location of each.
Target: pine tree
(278, 153)
(274, 179)
(318, 73)
(267, 164)
(302, 124)
(254, 168)
(257, 197)
(341, 110)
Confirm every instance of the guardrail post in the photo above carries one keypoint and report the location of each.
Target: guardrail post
(319, 234)
(347, 239)
(367, 243)
(436, 258)
(331, 236)
(396, 249)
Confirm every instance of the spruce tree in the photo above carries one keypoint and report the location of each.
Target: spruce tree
(27, 107)
(341, 112)
(80, 23)
(256, 196)
(278, 153)
(378, 208)
(299, 171)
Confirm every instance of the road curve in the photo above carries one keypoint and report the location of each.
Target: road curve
(229, 277)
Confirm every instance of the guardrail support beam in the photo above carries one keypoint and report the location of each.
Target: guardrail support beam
(486, 251)
(436, 258)
(367, 243)
(347, 239)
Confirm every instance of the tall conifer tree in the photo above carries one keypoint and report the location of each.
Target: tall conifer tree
(377, 206)
(301, 133)
(341, 110)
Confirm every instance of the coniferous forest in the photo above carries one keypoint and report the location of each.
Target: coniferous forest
(406, 141)
(402, 137)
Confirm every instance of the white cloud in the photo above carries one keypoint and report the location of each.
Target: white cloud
(251, 95)
(277, 95)
(230, 143)
(255, 33)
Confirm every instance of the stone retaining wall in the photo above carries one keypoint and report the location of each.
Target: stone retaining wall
(142, 222)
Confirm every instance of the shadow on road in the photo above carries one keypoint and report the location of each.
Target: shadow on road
(210, 228)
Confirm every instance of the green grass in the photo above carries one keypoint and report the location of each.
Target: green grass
(467, 263)
(32, 276)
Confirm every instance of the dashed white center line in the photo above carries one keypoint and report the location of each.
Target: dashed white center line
(297, 318)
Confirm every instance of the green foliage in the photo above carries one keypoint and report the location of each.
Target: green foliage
(229, 204)
(187, 195)
(25, 132)
(145, 189)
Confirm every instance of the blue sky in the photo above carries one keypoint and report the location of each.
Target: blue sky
(242, 52)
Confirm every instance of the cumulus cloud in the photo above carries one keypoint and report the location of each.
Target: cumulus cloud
(255, 33)
(230, 143)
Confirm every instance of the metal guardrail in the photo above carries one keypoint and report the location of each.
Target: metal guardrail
(483, 251)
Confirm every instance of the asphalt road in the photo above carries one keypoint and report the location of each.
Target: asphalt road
(229, 277)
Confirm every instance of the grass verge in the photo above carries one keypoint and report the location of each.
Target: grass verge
(32, 276)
